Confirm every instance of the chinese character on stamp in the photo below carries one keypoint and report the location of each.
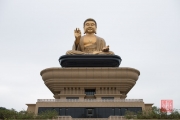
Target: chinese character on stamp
(166, 105)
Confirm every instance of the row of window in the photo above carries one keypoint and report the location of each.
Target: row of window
(103, 98)
(94, 112)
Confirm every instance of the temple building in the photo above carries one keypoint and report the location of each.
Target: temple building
(89, 86)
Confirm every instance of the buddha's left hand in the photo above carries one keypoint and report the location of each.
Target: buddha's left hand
(106, 49)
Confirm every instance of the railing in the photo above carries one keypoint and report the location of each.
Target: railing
(116, 118)
(89, 100)
(109, 118)
(90, 119)
(64, 118)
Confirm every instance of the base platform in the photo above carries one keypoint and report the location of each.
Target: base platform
(90, 61)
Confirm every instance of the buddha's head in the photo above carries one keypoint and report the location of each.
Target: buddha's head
(90, 26)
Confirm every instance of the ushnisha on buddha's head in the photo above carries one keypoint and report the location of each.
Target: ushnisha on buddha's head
(90, 26)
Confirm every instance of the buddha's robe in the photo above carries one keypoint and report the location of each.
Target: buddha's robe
(89, 49)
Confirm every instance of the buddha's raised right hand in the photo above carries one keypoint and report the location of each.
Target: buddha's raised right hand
(77, 34)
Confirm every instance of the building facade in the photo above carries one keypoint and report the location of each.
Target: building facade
(96, 92)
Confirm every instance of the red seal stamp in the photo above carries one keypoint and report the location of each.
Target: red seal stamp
(166, 105)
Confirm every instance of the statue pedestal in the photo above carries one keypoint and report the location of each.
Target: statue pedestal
(90, 61)
(106, 81)
(89, 83)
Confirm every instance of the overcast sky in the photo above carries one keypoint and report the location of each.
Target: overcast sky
(35, 33)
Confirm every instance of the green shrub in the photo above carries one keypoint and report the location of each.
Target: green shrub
(174, 114)
(130, 115)
(49, 114)
(157, 113)
(7, 114)
(24, 115)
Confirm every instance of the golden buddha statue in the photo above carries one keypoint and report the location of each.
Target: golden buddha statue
(89, 43)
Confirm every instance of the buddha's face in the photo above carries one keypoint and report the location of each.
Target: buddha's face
(90, 27)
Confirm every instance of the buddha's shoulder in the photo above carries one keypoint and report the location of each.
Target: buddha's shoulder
(99, 38)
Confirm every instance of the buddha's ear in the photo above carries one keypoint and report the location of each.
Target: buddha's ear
(84, 30)
(95, 30)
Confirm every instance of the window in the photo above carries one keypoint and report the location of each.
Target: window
(89, 112)
(90, 91)
(60, 112)
(66, 111)
(72, 98)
